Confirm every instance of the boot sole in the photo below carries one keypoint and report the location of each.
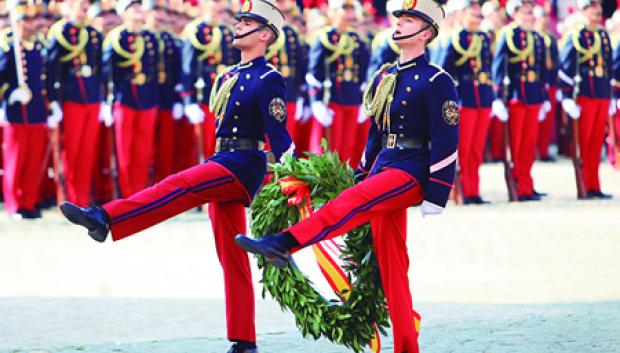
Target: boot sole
(272, 255)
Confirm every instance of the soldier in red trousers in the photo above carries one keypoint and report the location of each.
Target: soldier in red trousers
(248, 101)
(410, 159)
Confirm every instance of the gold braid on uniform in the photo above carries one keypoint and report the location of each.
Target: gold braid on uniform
(134, 58)
(587, 54)
(520, 55)
(472, 51)
(276, 48)
(375, 104)
(74, 50)
(5, 38)
(209, 49)
(345, 46)
(220, 94)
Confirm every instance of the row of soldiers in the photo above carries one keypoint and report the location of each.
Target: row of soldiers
(125, 89)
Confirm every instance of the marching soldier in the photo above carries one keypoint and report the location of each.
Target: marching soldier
(207, 50)
(467, 57)
(23, 75)
(403, 167)
(519, 75)
(613, 143)
(338, 61)
(168, 81)
(74, 69)
(586, 66)
(5, 31)
(547, 125)
(287, 55)
(249, 102)
(130, 64)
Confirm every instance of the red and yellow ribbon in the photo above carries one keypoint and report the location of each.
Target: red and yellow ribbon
(326, 252)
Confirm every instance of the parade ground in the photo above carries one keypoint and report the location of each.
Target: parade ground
(534, 277)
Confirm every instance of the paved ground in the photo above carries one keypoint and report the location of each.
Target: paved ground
(536, 277)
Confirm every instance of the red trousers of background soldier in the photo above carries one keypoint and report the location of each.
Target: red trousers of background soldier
(163, 163)
(1, 163)
(546, 128)
(208, 132)
(80, 127)
(523, 136)
(25, 146)
(611, 138)
(592, 122)
(205, 183)
(382, 200)
(135, 133)
(343, 135)
(298, 129)
(103, 180)
(473, 128)
(496, 139)
(185, 153)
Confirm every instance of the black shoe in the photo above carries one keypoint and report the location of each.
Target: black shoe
(598, 195)
(95, 219)
(32, 214)
(474, 200)
(525, 198)
(20, 215)
(540, 194)
(270, 246)
(547, 159)
(240, 348)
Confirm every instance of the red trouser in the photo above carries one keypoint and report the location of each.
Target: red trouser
(344, 133)
(592, 122)
(103, 183)
(496, 139)
(25, 146)
(1, 162)
(80, 130)
(185, 154)
(382, 200)
(299, 131)
(206, 183)
(208, 132)
(523, 136)
(616, 138)
(135, 132)
(473, 128)
(546, 128)
(164, 145)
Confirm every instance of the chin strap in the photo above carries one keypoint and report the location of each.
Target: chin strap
(239, 36)
(394, 37)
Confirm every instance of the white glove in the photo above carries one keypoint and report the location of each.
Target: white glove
(55, 115)
(612, 107)
(299, 109)
(617, 104)
(194, 113)
(546, 108)
(499, 110)
(571, 108)
(105, 114)
(361, 117)
(558, 95)
(3, 119)
(324, 115)
(177, 111)
(430, 209)
(20, 95)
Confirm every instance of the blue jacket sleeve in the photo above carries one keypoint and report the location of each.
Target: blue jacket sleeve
(316, 69)
(272, 104)
(499, 66)
(443, 115)
(568, 67)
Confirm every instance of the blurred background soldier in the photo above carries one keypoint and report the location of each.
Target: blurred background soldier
(613, 137)
(130, 62)
(23, 74)
(5, 30)
(546, 132)
(586, 66)
(207, 50)
(383, 49)
(168, 81)
(74, 68)
(467, 57)
(519, 74)
(338, 62)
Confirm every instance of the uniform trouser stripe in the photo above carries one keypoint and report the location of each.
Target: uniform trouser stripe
(170, 197)
(362, 208)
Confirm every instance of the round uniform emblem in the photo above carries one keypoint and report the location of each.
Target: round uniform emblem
(451, 113)
(277, 109)
(409, 4)
(247, 6)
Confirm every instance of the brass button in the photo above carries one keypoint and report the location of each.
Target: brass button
(242, 88)
(401, 135)
(416, 77)
(408, 89)
(247, 76)
(402, 117)
(234, 129)
(401, 127)
(237, 103)
(236, 117)
(404, 103)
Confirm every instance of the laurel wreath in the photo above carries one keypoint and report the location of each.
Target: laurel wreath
(349, 323)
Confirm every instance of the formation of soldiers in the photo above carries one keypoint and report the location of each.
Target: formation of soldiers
(100, 100)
